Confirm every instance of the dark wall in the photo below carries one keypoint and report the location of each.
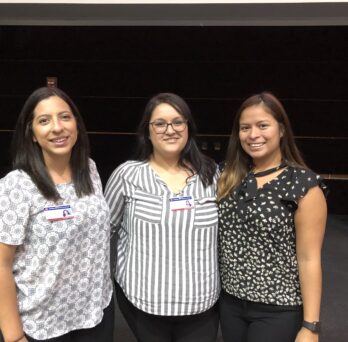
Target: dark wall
(110, 72)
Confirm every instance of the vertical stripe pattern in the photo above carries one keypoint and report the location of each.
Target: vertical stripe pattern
(166, 260)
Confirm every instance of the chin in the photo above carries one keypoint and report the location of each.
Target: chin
(256, 154)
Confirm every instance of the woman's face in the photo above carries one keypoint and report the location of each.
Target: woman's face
(54, 128)
(260, 134)
(173, 139)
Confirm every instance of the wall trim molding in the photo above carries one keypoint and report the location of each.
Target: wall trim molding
(232, 14)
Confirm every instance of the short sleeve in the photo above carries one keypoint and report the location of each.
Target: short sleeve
(300, 182)
(15, 202)
(307, 179)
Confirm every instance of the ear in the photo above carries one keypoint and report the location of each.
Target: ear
(34, 139)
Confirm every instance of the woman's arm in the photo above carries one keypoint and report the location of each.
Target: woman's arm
(310, 221)
(10, 322)
(114, 195)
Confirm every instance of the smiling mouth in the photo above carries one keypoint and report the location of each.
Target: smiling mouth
(256, 145)
(59, 141)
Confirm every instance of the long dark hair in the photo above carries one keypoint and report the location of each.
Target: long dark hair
(27, 155)
(190, 157)
(238, 162)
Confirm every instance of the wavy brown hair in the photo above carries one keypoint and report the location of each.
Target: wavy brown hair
(237, 162)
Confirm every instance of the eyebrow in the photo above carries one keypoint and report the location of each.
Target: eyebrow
(48, 114)
(176, 118)
(258, 122)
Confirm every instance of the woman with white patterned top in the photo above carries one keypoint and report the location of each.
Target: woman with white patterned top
(55, 282)
(272, 215)
(164, 211)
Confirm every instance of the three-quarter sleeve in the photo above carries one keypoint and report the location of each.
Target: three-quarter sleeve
(114, 194)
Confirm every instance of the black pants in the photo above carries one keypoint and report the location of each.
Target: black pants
(103, 332)
(154, 328)
(245, 321)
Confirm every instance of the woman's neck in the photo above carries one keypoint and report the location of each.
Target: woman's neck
(59, 169)
(168, 164)
(262, 165)
(172, 174)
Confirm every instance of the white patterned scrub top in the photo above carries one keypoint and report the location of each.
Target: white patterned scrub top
(61, 268)
(257, 240)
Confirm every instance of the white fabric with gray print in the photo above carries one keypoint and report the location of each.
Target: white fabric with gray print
(61, 268)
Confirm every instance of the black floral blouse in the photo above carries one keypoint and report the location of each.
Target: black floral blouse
(257, 242)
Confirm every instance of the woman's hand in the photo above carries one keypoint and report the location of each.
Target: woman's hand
(305, 335)
(10, 321)
(22, 339)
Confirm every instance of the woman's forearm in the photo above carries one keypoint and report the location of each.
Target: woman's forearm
(311, 286)
(10, 322)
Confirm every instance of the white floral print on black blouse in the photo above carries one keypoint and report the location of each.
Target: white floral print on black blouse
(257, 243)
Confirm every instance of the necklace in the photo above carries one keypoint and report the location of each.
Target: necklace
(272, 170)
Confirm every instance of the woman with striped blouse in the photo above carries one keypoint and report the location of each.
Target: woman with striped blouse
(164, 212)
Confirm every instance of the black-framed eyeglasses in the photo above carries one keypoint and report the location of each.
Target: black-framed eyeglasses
(161, 126)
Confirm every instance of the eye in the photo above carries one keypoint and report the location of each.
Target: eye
(263, 126)
(243, 128)
(43, 121)
(160, 124)
(178, 122)
(66, 116)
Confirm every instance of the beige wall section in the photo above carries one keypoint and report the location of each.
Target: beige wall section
(181, 13)
(165, 1)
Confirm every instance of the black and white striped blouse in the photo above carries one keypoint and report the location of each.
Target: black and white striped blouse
(167, 260)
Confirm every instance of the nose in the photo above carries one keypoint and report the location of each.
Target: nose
(254, 132)
(170, 129)
(56, 125)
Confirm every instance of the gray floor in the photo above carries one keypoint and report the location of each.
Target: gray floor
(334, 310)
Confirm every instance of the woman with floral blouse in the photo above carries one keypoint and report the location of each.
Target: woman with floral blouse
(272, 216)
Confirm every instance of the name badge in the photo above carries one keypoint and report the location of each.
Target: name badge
(181, 203)
(59, 212)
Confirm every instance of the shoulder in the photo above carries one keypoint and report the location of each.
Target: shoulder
(91, 163)
(130, 166)
(127, 169)
(308, 178)
(302, 180)
(17, 180)
(17, 193)
(92, 167)
(94, 175)
(217, 173)
(306, 175)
